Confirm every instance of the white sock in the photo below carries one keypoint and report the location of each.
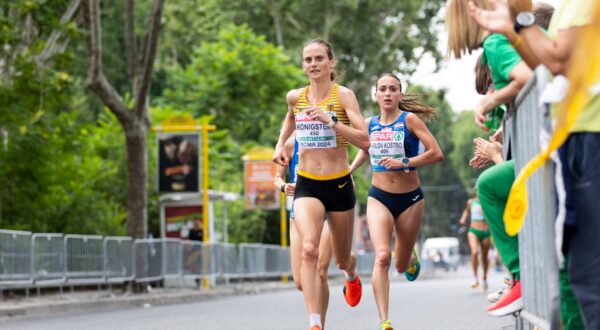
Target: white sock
(314, 319)
(350, 278)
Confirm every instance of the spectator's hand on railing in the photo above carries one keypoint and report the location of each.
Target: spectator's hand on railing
(486, 104)
(498, 136)
(497, 19)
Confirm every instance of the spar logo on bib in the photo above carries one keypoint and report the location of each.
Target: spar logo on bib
(387, 136)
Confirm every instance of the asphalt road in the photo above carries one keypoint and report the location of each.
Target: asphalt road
(442, 301)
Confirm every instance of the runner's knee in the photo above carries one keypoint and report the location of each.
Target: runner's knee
(310, 253)
(383, 259)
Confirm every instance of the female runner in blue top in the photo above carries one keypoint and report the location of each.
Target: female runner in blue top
(400, 142)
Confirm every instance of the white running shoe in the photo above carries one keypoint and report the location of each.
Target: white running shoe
(495, 296)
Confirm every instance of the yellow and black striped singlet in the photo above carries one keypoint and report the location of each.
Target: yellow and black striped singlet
(331, 104)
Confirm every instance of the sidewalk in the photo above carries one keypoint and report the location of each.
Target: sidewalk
(94, 300)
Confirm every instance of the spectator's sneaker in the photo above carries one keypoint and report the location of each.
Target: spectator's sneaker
(495, 296)
(413, 270)
(353, 291)
(509, 303)
(386, 325)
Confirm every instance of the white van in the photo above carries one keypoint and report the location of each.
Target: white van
(441, 252)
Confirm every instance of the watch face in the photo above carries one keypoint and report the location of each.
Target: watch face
(525, 18)
(405, 161)
(334, 118)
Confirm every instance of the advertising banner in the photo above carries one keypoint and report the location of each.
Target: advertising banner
(184, 222)
(261, 192)
(178, 162)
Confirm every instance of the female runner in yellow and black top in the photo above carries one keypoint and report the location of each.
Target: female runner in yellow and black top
(321, 114)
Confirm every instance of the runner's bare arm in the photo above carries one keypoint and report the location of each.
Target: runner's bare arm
(465, 214)
(433, 153)
(358, 133)
(361, 156)
(280, 156)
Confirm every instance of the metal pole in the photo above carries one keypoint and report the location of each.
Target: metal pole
(283, 225)
(225, 238)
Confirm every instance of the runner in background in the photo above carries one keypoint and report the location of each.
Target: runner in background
(479, 239)
(325, 254)
(400, 143)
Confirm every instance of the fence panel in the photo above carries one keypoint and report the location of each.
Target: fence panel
(48, 261)
(253, 259)
(118, 259)
(539, 270)
(15, 258)
(172, 257)
(148, 260)
(231, 266)
(85, 258)
(192, 259)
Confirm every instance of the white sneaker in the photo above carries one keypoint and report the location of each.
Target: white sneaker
(495, 296)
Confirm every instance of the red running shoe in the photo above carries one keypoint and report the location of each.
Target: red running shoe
(353, 291)
(509, 303)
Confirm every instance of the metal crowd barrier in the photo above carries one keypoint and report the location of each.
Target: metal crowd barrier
(15, 257)
(539, 269)
(55, 260)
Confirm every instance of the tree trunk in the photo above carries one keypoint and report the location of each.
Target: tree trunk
(137, 178)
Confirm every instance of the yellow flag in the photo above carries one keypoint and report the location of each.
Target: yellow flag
(583, 72)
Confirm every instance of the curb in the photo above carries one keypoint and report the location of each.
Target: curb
(52, 307)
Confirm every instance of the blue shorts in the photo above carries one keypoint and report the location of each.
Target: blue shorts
(396, 203)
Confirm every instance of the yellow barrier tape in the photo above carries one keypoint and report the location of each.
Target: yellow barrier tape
(583, 72)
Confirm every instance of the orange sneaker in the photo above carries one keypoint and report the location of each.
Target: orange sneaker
(353, 291)
(315, 327)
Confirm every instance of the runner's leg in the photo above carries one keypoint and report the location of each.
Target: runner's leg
(381, 224)
(309, 213)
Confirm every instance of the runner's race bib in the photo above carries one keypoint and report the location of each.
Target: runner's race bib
(386, 144)
(313, 134)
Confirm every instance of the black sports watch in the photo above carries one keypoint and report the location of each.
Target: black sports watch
(524, 19)
(405, 162)
(334, 120)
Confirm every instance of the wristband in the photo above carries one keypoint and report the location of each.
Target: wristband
(517, 42)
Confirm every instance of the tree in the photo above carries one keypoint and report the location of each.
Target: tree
(239, 81)
(134, 120)
(368, 37)
(463, 133)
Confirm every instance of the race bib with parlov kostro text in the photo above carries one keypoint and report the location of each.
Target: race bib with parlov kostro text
(387, 143)
(313, 134)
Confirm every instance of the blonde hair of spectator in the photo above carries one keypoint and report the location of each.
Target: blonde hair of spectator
(464, 34)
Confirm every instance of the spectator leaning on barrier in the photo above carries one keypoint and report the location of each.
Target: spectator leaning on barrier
(578, 154)
(510, 74)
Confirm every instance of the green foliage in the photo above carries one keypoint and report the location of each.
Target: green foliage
(463, 134)
(240, 79)
(368, 37)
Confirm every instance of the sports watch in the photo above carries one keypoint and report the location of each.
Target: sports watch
(524, 19)
(405, 162)
(333, 121)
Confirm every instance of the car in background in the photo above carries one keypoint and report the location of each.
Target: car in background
(440, 252)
